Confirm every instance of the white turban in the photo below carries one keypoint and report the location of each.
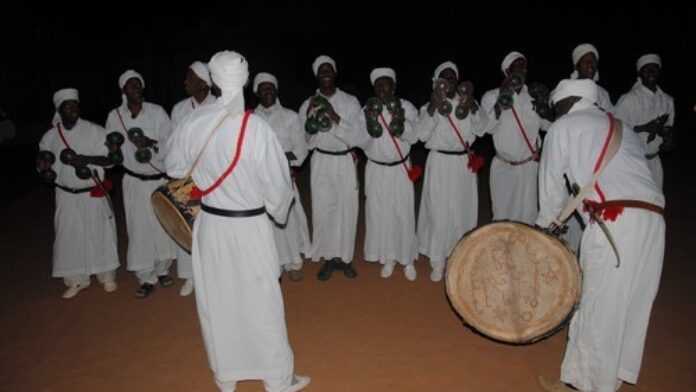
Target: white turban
(62, 95)
(323, 59)
(580, 51)
(648, 59)
(583, 88)
(201, 70)
(126, 76)
(230, 71)
(381, 73)
(509, 59)
(264, 77)
(444, 66)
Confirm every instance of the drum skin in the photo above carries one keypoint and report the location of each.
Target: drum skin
(512, 282)
(176, 211)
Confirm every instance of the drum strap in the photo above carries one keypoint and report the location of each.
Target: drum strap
(238, 153)
(412, 172)
(611, 146)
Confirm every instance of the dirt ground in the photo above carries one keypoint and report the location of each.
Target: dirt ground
(367, 334)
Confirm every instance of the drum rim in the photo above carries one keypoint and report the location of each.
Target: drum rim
(159, 195)
(558, 322)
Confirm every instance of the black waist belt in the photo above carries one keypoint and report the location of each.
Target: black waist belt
(327, 152)
(74, 190)
(145, 177)
(233, 213)
(391, 163)
(446, 152)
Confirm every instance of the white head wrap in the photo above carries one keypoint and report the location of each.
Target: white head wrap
(124, 78)
(230, 71)
(584, 88)
(444, 66)
(264, 77)
(509, 59)
(381, 73)
(201, 70)
(648, 59)
(62, 95)
(580, 51)
(323, 59)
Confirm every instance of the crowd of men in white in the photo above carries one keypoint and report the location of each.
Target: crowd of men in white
(247, 255)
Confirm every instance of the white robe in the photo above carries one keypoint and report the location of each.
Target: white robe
(148, 243)
(513, 188)
(390, 218)
(607, 333)
(235, 262)
(182, 109)
(334, 183)
(639, 106)
(85, 227)
(604, 100)
(292, 239)
(449, 202)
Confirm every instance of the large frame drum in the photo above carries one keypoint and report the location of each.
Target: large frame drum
(513, 282)
(176, 211)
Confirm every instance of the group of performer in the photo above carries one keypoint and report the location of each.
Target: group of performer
(252, 224)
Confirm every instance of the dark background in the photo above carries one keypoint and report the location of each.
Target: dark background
(48, 47)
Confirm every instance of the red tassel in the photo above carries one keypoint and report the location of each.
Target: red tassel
(415, 172)
(611, 213)
(97, 191)
(195, 194)
(476, 162)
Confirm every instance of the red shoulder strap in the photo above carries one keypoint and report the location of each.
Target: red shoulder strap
(238, 153)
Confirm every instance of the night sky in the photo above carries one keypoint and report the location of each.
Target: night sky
(56, 46)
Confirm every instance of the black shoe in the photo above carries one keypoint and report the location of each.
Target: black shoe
(349, 271)
(165, 280)
(326, 270)
(145, 290)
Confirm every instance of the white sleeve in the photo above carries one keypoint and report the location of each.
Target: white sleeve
(347, 129)
(552, 191)
(426, 124)
(299, 143)
(274, 174)
(488, 107)
(410, 134)
(176, 160)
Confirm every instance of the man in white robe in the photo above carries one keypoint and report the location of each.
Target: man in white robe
(334, 180)
(292, 238)
(449, 202)
(242, 174)
(150, 249)
(197, 85)
(585, 61)
(85, 227)
(608, 330)
(649, 110)
(390, 218)
(515, 129)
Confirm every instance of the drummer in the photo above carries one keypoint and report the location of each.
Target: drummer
(197, 85)
(607, 333)
(150, 249)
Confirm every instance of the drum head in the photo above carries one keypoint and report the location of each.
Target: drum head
(512, 282)
(171, 220)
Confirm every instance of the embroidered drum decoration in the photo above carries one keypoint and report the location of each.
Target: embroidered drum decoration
(176, 210)
(512, 282)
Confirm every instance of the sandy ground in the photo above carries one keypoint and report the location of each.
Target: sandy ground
(367, 334)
